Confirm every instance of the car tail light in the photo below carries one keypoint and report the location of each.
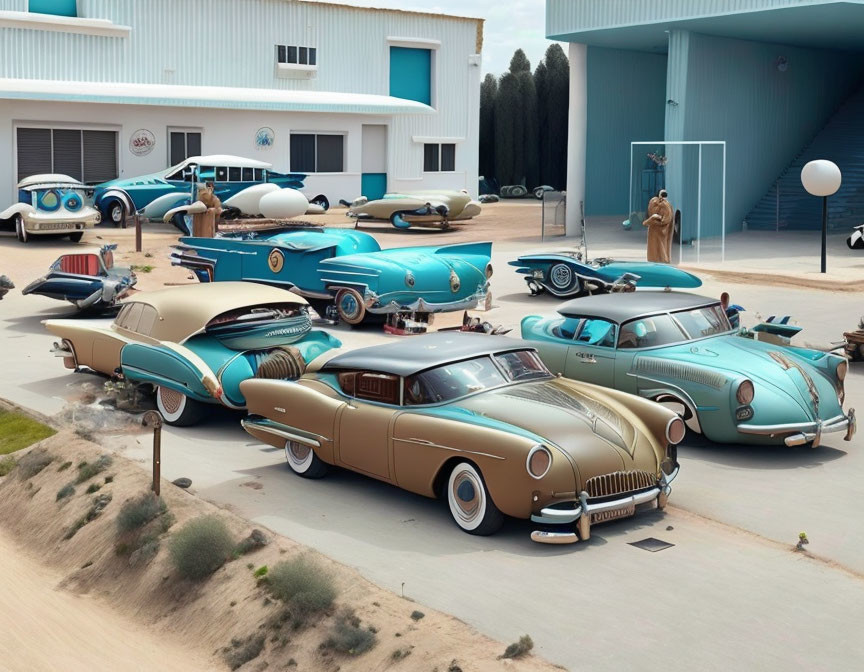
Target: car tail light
(842, 369)
(538, 462)
(675, 431)
(745, 392)
(488, 271)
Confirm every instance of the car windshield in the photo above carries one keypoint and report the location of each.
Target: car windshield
(705, 321)
(452, 381)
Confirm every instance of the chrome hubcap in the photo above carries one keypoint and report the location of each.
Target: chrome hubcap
(561, 275)
(297, 452)
(467, 496)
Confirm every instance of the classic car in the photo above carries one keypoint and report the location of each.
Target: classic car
(51, 205)
(855, 241)
(477, 420)
(346, 271)
(194, 344)
(239, 183)
(88, 279)
(5, 285)
(680, 350)
(564, 274)
(417, 207)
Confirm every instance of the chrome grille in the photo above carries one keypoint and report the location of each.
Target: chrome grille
(620, 482)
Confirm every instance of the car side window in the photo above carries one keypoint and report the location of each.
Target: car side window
(565, 328)
(234, 174)
(600, 333)
(206, 173)
(221, 174)
(380, 387)
(131, 317)
(650, 332)
(248, 175)
(259, 175)
(147, 320)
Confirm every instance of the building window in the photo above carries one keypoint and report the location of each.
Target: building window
(55, 7)
(411, 74)
(296, 55)
(182, 144)
(317, 153)
(89, 156)
(439, 158)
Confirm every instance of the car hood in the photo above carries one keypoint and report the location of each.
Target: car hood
(597, 439)
(763, 363)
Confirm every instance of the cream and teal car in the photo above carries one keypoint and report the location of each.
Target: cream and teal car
(679, 349)
(51, 204)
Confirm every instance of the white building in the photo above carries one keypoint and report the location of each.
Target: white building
(362, 100)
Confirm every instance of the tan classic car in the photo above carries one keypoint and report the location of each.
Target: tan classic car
(477, 420)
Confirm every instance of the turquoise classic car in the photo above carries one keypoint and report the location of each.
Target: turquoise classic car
(346, 272)
(194, 345)
(679, 349)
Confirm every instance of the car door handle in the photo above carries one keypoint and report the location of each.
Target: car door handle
(586, 358)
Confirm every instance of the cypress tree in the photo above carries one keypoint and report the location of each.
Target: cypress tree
(557, 101)
(507, 129)
(541, 85)
(488, 94)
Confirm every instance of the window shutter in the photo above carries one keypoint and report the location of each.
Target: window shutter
(430, 158)
(302, 153)
(177, 147)
(67, 152)
(100, 156)
(193, 145)
(34, 152)
(330, 153)
(448, 157)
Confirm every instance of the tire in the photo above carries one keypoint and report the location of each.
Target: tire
(20, 230)
(470, 504)
(117, 213)
(538, 193)
(350, 306)
(303, 461)
(177, 409)
(76, 237)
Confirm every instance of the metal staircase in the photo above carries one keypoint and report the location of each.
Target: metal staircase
(788, 206)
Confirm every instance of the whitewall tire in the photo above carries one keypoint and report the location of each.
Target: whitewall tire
(470, 504)
(117, 213)
(177, 409)
(20, 229)
(303, 461)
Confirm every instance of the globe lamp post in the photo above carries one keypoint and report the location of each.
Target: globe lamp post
(822, 178)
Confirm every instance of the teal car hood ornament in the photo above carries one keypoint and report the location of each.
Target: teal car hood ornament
(680, 350)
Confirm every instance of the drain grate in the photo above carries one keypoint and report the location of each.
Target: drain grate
(652, 544)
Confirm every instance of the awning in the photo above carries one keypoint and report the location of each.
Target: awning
(220, 97)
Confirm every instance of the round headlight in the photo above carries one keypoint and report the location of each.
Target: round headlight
(455, 283)
(488, 270)
(842, 369)
(409, 278)
(538, 462)
(675, 431)
(745, 392)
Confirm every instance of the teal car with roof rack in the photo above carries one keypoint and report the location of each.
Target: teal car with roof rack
(679, 349)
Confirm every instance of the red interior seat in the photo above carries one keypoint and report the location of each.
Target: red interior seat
(80, 264)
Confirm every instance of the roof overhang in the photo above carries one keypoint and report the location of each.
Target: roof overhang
(819, 24)
(219, 97)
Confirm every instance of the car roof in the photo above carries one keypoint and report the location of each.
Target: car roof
(622, 306)
(48, 180)
(227, 160)
(412, 354)
(185, 310)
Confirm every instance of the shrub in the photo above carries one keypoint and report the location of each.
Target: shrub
(66, 491)
(417, 615)
(346, 635)
(136, 513)
(399, 654)
(242, 651)
(518, 649)
(96, 507)
(148, 547)
(86, 471)
(256, 539)
(33, 462)
(93, 487)
(64, 466)
(260, 572)
(7, 464)
(304, 585)
(201, 547)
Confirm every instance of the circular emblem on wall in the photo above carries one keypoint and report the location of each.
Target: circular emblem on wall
(265, 137)
(142, 142)
(276, 260)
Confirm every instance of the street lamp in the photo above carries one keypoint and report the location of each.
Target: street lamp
(822, 178)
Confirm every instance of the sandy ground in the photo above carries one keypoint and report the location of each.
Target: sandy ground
(45, 629)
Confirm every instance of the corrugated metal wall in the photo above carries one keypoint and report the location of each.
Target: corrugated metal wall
(732, 90)
(626, 102)
(568, 16)
(232, 43)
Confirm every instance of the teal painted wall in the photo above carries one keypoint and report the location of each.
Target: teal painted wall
(731, 90)
(373, 185)
(56, 7)
(626, 101)
(411, 74)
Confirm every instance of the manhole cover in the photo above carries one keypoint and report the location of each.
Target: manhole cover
(651, 544)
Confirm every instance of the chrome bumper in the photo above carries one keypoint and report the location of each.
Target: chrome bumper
(805, 432)
(60, 350)
(582, 511)
(377, 305)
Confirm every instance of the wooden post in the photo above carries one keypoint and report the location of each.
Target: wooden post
(204, 224)
(137, 232)
(154, 419)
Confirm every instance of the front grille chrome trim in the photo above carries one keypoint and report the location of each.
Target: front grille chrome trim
(619, 482)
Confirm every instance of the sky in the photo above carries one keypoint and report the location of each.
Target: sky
(510, 24)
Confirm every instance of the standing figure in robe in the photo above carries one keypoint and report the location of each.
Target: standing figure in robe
(659, 222)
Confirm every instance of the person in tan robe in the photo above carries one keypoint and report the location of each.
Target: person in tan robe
(660, 228)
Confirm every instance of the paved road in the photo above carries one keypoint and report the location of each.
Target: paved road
(730, 593)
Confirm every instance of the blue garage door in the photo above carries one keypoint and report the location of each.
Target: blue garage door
(373, 185)
(411, 74)
(56, 7)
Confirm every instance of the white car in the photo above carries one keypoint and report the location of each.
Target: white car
(51, 204)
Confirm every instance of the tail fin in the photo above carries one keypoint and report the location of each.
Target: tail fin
(483, 249)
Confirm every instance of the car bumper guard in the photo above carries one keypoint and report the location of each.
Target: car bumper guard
(797, 434)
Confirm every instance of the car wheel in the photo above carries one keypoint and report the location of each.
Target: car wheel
(177, 409)
(538, 193)
(117, 213)
(303, 460)
(562, 279)
(20, 230)
(76, 237)
(470, 504)
(350, 306)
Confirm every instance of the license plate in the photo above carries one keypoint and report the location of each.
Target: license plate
(623, 512)
(53, 226)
